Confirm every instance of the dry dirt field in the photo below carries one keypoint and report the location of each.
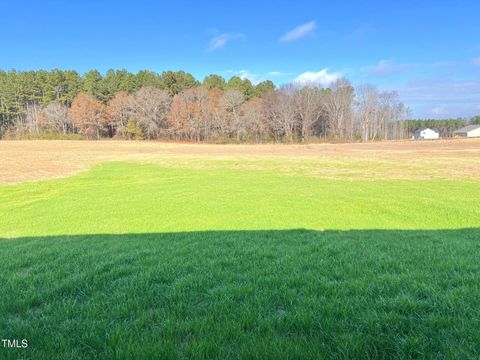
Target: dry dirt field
(22, 161)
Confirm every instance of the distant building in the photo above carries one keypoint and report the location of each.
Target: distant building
(426, 134)
(468, 131)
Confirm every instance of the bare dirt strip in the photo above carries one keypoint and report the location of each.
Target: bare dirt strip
(22, 161)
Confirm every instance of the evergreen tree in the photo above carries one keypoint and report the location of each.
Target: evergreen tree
(213, 82)
(243, 85)
(263, 88)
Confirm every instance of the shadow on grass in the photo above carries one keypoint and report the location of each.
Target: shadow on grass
(230, 294)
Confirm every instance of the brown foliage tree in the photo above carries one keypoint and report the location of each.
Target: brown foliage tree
(119, 111)
(188, 116)
(88, 116)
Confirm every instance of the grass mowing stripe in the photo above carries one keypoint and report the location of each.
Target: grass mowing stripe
(131, 198)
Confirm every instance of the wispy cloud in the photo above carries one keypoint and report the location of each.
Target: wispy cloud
(440, 97)
(221, 40)
(439, 110)
(476, 61)
(323, 78)
(299, 32)
(360, 32)
(387, 67)
(441, 64)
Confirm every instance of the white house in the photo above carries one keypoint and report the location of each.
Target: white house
(468, 131)
(426, 134)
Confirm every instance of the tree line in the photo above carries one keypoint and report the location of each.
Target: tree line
(174, 105)
(445, 127)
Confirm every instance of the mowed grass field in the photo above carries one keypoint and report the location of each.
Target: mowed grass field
(145, 250)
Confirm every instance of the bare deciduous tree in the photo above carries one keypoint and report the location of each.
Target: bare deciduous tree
(367, 110)
(232, 100)
(309, 106)
(338, 102)
(253, 120)
(55, 117)
(279, 107)
(150, 107)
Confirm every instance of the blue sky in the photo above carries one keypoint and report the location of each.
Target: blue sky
(427, 50)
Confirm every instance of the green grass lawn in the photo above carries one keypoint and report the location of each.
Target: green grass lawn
(140, 261)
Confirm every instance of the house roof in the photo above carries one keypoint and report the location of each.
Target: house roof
(468, 128)
(420, 130)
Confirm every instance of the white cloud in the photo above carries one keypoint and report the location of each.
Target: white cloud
(299, 32)
(386, 67)
(476, 61)
(322, 78)
(221, 40)
(246, 74)
(254, 77)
